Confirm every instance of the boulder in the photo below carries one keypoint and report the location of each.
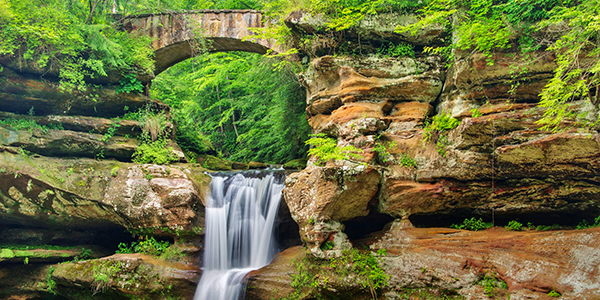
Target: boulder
(320, 198)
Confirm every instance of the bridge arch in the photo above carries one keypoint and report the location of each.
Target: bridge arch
(174, 33)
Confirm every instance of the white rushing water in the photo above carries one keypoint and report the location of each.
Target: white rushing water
(240, 215)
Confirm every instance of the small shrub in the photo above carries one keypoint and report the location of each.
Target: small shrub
(50, 283)
(326, 149)
(328, 245)
(489, 282)
(584, 224)
(439, 123)
(475, 113)
(130, 84)
(554, 293)
(472, 224)
(155, 153)
(407, 161)
(435, 130)
(514, 226)
(114, 171)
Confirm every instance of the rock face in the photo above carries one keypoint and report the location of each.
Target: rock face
(320, 198)
(495, 164)
(130, 275)
(55, 192)
(451, 262)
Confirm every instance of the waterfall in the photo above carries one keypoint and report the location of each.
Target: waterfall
(240, 215)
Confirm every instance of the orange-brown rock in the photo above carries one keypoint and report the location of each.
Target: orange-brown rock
(353, 119)
(320, 198)
(442, 261)
(332, 81)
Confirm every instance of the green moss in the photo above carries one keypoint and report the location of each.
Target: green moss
(7, 253)
(297, 164)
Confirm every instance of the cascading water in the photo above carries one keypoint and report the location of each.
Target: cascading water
(240, 215)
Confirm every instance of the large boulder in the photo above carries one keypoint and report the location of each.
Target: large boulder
(320, 198)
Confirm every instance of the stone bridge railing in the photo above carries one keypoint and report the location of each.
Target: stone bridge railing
(175, 34)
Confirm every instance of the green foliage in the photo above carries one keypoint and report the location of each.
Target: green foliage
(326, 149)
(344, 14)
(129, 84)
(72, 36)
(407, 161)
(514, 226)
(399, 50)
(577, 76)
(493, 26)
(50, 282)
(364, 265)
(110, 132)
(584, 224)
(472, 224)
(236, 105)
(554, 293)
(439, 123)
(146, 245)
(155, 152)
(361, 268)
(435, 130)
(475, 113)
(489, 282)
(328, 245)
(114, 171)
(382, 149)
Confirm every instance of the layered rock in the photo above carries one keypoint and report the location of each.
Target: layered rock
(445, 262)
(75, 193)
(122, 276)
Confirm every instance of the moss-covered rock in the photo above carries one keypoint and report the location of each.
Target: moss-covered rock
(123, 276)
(85, 193)
(296, 164)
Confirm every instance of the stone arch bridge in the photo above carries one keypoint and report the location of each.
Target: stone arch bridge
(175, 33)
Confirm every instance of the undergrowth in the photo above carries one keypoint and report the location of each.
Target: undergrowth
(314, 277)
(435, 131)
(472, 224)
(326, 149)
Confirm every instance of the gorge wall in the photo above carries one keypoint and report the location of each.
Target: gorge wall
(70, 180)
(496, 165)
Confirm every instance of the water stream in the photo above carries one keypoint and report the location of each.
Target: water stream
(240, 216)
